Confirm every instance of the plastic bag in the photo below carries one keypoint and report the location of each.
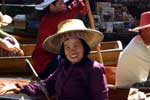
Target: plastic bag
(135, 94)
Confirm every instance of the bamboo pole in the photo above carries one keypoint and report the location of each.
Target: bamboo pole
(92, 25)
(90, 15)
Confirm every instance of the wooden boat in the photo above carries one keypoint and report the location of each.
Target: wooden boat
(110, 51)
(16, 66)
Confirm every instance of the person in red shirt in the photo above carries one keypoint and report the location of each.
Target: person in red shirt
(54, 11)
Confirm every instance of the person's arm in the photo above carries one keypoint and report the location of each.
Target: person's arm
(30, 89)
(3, 34)
(9, 43)
(8, 88)
(97, 84)
(78, 4)
(33, 88)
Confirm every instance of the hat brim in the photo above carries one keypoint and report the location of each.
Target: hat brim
(139, 28)
(53, 43)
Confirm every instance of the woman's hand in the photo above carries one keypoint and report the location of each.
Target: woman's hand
(12, 45)
(8, 88)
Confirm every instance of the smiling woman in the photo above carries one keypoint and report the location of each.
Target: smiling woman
(74, 50)
(79, 77)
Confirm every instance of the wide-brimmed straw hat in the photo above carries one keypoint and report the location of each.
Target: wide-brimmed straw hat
(45, 3)
(144, 22)
(72, 28)
(5, 19)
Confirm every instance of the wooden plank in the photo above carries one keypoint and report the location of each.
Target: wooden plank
(110, 45)
(110, 74)
(110, 52)
(25, 39)
(17, 64)
(28, 49)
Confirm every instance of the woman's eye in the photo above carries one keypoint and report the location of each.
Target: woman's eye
(67, 48)
(77, 46)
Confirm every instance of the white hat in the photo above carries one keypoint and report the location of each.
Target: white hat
(44, 4)
(5, 19)
(71, 27)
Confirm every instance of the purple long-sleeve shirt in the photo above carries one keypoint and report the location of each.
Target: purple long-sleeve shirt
(82, 81)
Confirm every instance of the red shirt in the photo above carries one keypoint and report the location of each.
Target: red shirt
(48, 26)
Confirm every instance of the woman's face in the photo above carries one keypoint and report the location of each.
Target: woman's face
(74, 50)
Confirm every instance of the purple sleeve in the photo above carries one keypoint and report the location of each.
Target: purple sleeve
(31, 89)
(98, 84)
(34, 88)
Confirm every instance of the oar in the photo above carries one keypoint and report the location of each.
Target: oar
(11, 98)
(15, 57)
(38, 80)
(92, 25)
(109, 50)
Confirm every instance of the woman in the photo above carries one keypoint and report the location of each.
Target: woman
(77, 77)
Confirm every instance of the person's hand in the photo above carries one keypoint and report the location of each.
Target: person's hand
(8, 88)
(76, 3)
(12, 45)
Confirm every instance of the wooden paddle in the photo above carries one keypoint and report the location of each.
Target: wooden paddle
(92, 25)
(38, 80)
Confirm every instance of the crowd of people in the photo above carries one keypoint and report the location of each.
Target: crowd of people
(61, 54)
